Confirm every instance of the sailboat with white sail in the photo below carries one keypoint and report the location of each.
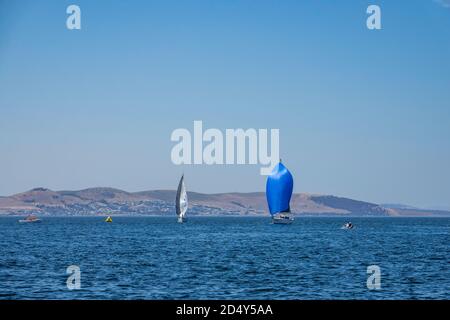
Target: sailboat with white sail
(181, 202)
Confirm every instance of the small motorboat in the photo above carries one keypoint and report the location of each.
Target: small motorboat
(347, 226)
(30, 219)
(108, 219)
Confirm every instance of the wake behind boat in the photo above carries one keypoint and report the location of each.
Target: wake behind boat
(30, 219)
(181, 201)
(278, 192)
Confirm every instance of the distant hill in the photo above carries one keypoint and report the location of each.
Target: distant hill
(101, 201)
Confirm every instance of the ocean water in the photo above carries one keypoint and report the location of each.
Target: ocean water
(225, 258)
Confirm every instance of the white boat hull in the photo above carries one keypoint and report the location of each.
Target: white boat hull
(282, 220)
(30, 221)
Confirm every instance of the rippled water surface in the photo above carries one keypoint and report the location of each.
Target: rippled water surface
(225, 258)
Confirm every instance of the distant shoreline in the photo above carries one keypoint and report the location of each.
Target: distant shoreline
(109, 201)
(227, 216)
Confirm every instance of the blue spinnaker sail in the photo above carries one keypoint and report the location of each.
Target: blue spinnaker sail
(279, 189)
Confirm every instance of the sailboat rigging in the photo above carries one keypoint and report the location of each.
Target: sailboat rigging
(181, 202)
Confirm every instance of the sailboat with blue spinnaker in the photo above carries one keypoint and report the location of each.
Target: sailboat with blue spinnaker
(279, 188)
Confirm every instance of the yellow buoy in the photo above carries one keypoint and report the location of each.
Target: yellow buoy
(109, 219)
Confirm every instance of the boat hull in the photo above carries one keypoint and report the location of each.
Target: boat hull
(30, 221)
(282, 220)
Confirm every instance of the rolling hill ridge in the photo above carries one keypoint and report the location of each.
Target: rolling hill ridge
(101, 201)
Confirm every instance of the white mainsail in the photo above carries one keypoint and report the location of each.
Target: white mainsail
(181, 200)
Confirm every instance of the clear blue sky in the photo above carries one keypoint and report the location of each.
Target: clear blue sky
(362, 114)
